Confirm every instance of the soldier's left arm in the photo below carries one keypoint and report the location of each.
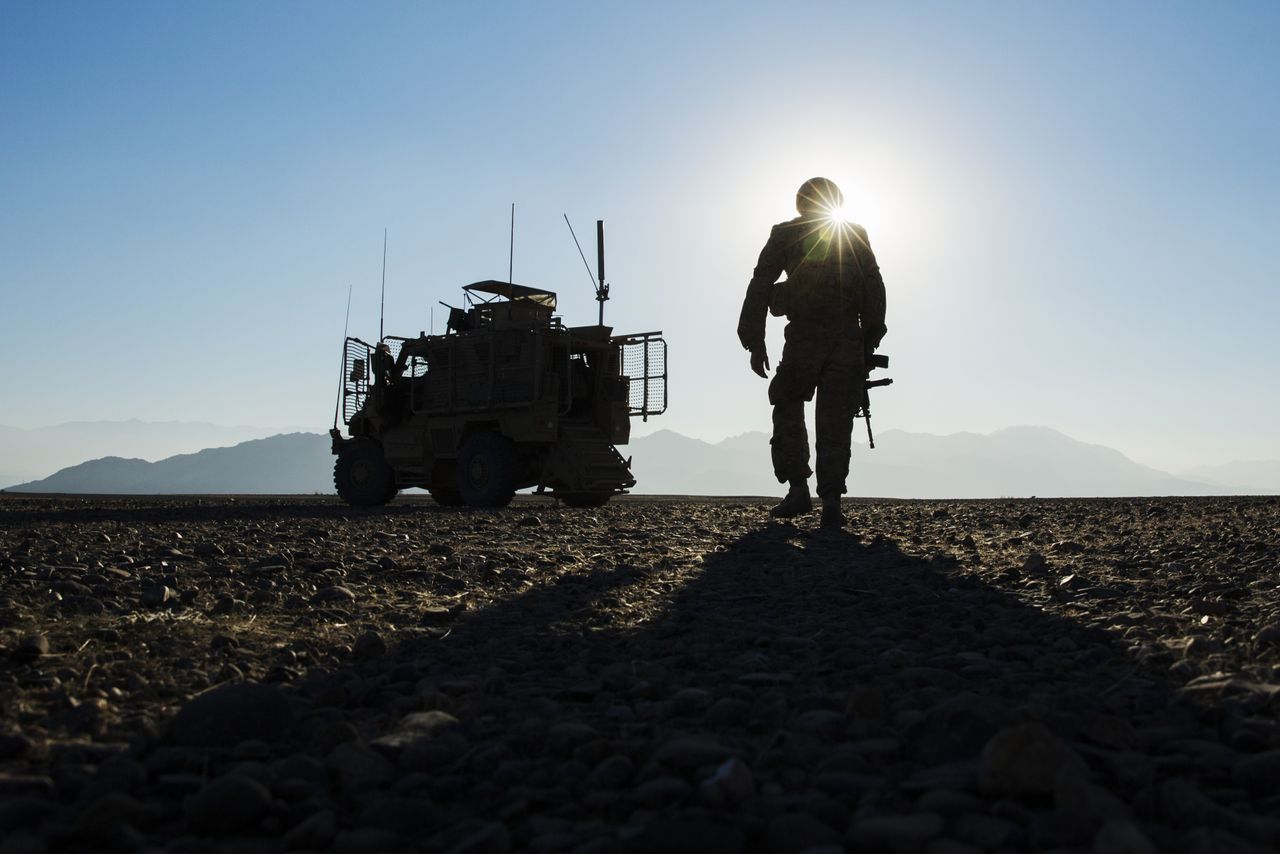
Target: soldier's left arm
(873, 309)
(755, 304)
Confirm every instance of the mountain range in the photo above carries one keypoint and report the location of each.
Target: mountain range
(27, 454)
(1018, 461)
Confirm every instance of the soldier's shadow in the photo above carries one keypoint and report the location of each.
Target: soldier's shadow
(846, 673)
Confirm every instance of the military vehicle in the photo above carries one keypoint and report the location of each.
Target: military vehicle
(507, 398)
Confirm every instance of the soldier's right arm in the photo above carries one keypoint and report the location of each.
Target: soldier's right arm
(755, 305)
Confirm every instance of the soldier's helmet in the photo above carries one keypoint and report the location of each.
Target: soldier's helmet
(818, 195)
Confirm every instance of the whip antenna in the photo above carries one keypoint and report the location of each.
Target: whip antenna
(511, 256)
(382, 305)
(602, 292)
(580, 252)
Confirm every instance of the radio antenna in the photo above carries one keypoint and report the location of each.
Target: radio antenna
(382, 305)
(602, 292)
(580, 252)
(511, 256)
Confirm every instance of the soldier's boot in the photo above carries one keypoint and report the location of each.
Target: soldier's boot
(797, 501)
(832, 513)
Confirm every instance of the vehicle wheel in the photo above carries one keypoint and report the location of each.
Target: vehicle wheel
(446, 496)
(362, 476)
(584, 499)
(487, 470)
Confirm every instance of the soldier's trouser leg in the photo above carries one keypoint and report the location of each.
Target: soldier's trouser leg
(792, 386)
(833, 420)
(789, 446)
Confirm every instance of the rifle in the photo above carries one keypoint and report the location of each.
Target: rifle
(864, 402)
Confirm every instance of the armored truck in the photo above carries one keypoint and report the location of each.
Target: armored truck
(508, 397)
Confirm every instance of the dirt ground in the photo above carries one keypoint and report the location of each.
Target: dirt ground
(662, 674)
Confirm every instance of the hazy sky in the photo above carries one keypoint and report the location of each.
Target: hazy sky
(1075, 205)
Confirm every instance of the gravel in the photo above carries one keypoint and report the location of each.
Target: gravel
(269, 674)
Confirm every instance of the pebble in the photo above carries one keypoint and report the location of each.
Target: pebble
(31, 648)
(1025, 761)
(1258, 773)
(315, 831)
(229, 804)
(1122, 836)
(230, 714)
(612, 772)
(337, 594)
(792, 833)
(365, 840)
(369, 645)
(359, 768)
(906, 833)
(732, 783)
(157, 595)
(691, 751)
(660, 791)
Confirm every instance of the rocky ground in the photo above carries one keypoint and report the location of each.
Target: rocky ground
(260, 675)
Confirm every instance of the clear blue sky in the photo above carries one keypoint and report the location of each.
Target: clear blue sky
(1075, 205)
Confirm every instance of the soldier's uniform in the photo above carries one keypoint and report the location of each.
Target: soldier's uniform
(834, 301)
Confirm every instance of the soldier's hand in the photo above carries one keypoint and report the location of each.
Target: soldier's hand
(760, 362)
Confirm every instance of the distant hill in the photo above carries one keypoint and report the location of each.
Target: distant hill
(1262, 475)
(28, 454)
(289, 463)
(1019, 461)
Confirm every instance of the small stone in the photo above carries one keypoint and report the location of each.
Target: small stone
(359, 767)
(1083, 808)
(228, 804)
(529, 522)
(207, 549)
(24, 811)
(228, 715)
(689, 700)
(12, 785)
(1025, 761)
(109, 812)
(661, 791)
(1269, 635)
(732, 783)
(30, 648)
(489, 838)
(1258, 773)
(612, 772)
(565, 736)
(1122, 836)
(315, 831)
(407, 816)
(896, 833)
(727, 711)
(337, 594)
(369, 645)
(867, 702)
(687, 833)
(690, 752)
(956, 728)
(1035, 563)
(365, 840)
(157, 595)
(792, 833)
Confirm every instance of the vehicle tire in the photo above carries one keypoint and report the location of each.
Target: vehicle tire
(584, 499)
(446, 496)
(487, 470)
(362, 476)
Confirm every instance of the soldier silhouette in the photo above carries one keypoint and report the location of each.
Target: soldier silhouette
(834, 302)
